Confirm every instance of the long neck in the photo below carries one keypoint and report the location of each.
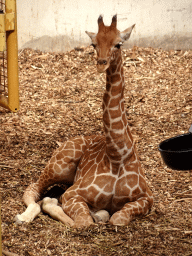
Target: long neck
(119, 142)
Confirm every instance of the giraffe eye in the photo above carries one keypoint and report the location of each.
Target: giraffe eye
(94, 45)
(118, 45)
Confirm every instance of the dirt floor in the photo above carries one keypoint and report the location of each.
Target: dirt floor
(61, 97)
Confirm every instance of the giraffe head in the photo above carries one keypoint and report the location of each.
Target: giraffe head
(107, 41)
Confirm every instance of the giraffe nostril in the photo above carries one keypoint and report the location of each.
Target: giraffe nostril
(101, 62)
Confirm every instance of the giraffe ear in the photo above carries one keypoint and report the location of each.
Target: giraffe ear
(91, 35)
(126, 33)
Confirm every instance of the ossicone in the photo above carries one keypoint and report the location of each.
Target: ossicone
(114, 21)
(100, 20)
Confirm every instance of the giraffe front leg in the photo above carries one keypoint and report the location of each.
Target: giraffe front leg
(130, 210)
(77, 209)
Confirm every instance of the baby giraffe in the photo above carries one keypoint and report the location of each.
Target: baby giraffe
(107, 182)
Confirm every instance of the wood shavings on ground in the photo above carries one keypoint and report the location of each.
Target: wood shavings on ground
(61, 97)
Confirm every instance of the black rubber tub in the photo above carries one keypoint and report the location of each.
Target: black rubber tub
(176, 152)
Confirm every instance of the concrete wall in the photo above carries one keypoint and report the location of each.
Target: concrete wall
(59, 25)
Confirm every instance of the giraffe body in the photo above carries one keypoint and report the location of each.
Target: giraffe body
(104, 171)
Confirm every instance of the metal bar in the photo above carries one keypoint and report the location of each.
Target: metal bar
(3, 78)
(0, 229)
(12, 60)
(4, 67)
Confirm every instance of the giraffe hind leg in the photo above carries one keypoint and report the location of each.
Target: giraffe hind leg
(29, 215)
(34, 209)
(50, 206)
(60, 169)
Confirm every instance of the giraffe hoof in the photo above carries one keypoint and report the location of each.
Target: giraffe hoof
(18, 220)
(100, 216)
(48, 200)
(48, 204)
(29, 215)
(96, 218)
